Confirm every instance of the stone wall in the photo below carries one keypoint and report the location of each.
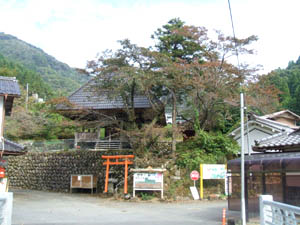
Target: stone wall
(53, 170)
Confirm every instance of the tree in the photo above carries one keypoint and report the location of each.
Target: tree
(38, 122)
(287, 82)
(186, 66)
(208, 80)
(261, 96)
(120, 75)
(179, 45)
(178, 40)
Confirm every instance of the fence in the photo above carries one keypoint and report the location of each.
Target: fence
(67, 144)
(277, 213)
(50, 145)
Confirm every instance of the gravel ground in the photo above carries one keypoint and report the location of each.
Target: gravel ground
(47, 208)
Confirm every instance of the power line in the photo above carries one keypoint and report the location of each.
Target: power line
(243, 206)
(232, 25)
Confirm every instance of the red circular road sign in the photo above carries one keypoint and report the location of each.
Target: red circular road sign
(194, 175)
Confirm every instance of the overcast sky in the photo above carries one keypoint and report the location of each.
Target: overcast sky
(74, 31)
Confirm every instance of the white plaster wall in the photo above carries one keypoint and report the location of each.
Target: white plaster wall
(254, 134)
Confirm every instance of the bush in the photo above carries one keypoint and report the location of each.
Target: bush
(205, 148)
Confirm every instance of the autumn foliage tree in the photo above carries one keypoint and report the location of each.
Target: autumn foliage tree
(186, 67)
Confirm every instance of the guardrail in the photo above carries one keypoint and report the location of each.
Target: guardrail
(272, 212)
(6, 207)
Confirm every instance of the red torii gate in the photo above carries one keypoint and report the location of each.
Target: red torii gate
(126, 162)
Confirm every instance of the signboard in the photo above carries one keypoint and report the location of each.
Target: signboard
(148, 180)
(195, 193)
(214, 171)
(151, 181)
(194, 175)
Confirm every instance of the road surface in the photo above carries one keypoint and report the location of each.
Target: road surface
(49, 208)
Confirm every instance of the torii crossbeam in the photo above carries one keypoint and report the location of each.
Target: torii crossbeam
(125, 160)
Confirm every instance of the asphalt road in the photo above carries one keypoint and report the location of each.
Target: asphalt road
(47, 208)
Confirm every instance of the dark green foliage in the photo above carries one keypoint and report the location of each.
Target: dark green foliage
(59, 76)
(288, 82)
(177, 41)
(24, 76)
(205, 148)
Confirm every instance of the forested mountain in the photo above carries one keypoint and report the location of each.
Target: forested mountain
(288, 82)
(59, 76)
(24, 76)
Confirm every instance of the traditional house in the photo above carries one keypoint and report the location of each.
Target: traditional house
(259, 127)
(9, 89)
(105, 115)
(275, 172)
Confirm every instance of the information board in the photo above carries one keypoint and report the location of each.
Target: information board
(148, 181)
(214, 171)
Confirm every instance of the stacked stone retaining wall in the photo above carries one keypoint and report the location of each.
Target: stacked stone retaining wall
(53, 170)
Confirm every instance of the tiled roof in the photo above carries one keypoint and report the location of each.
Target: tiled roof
(11, 147)
(261, 121)
(87, 97)
(285, 141)
(9, 86)
(280, 113)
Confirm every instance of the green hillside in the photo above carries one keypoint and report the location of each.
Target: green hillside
(25, 76)
(59, 76)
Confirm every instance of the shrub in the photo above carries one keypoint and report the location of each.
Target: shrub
(205, 148)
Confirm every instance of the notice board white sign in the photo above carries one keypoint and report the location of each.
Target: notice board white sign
(214, 171)
(148, 180)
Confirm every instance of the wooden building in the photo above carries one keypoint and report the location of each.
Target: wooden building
(259, 127)
(274, 172)
(104, 115)
(9, 89)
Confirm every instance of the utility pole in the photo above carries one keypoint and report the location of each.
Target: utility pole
(243, 208)
(26, 103)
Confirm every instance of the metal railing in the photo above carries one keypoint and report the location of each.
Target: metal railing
(277, 213)
(112, 145)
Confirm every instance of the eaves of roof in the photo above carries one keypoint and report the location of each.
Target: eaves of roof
(87, 98)
(9, 86)
(285, 141)
(12, 148)
(277, 114)
(261, 122)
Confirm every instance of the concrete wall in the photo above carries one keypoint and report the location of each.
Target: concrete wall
(53, 170)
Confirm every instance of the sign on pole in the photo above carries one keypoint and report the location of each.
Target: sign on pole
(194, 175)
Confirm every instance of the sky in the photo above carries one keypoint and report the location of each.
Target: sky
(75, 31)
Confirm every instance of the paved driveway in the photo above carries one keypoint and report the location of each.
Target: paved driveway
(47, 208)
